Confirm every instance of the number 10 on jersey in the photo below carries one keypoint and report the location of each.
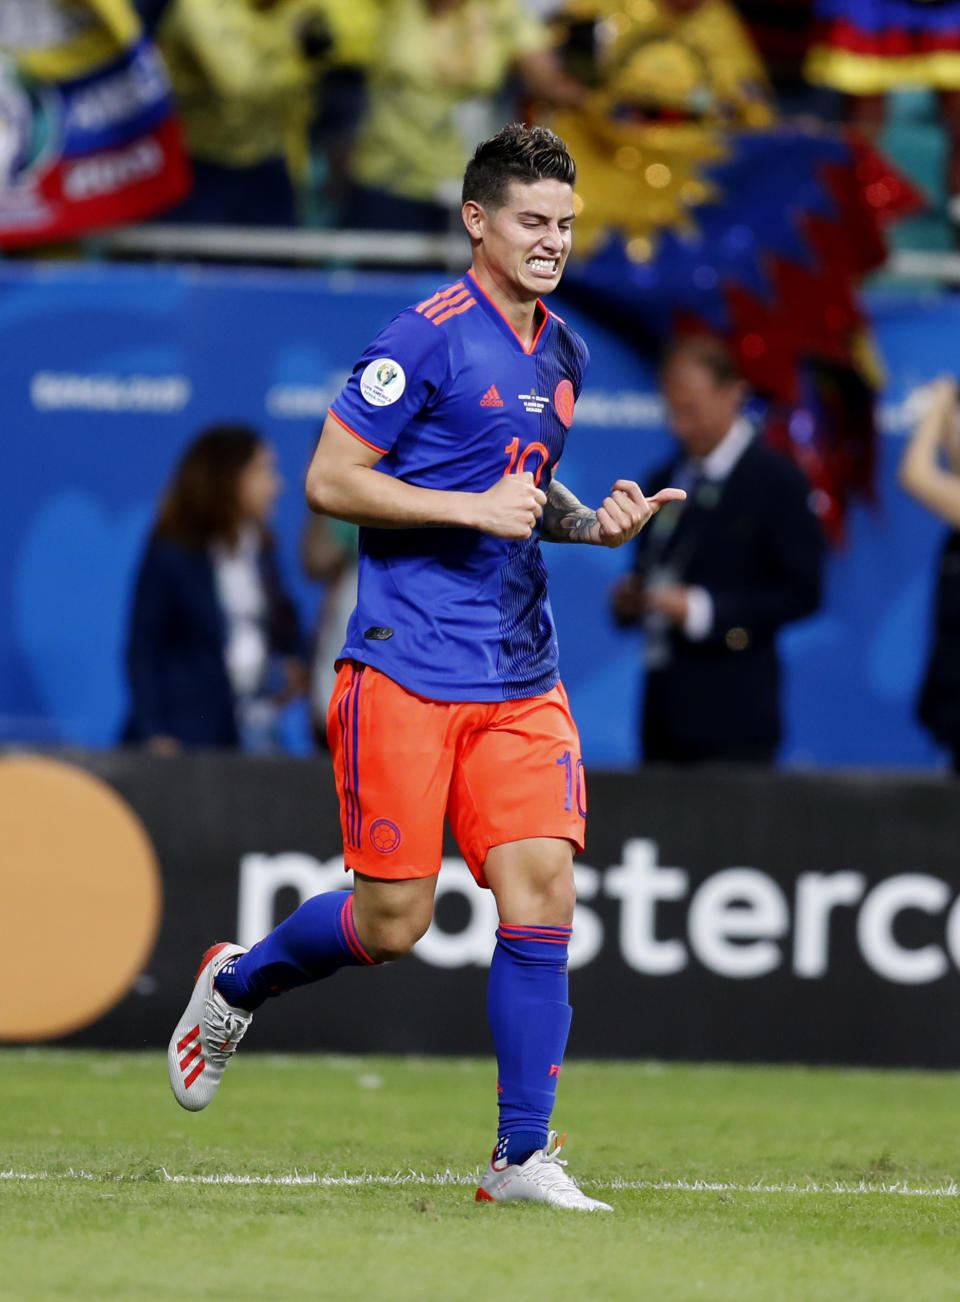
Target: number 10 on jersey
(517, 462)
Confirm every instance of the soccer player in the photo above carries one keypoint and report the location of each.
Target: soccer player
(442, 446)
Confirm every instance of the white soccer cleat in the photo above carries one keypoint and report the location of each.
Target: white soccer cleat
(207, 1035)
(540, 1179)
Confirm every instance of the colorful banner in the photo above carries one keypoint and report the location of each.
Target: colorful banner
(699, 212)
(763, 238)
(84, 152)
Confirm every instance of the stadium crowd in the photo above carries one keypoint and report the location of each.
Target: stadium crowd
(362, 112)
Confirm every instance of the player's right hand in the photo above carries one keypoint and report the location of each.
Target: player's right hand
(512, 507)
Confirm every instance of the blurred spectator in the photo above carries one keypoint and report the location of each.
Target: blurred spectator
(328, 555)
(245, 74)
(717, 576)
(868, 48)
(930, 472)
(668, 61)
(339, 110)
(212, 653)
(429, 92)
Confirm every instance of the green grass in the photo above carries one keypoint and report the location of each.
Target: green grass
(123, 1230)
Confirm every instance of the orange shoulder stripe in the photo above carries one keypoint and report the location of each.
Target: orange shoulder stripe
(452, 301)
(454, 311)
(440, 295)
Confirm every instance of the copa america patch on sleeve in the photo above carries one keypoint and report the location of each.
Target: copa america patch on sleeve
(383, 382)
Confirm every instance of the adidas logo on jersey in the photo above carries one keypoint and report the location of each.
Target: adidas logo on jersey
(491, 398)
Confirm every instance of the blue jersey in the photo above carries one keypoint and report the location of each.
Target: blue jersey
(452, 398)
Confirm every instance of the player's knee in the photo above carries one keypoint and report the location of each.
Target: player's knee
(388, 938)
(392, 938)
(552, 885)
(558, 898)
(391, 917)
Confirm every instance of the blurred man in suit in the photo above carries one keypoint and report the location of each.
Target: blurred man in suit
(715, 577)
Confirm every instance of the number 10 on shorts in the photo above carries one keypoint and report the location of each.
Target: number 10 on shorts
(573, 783)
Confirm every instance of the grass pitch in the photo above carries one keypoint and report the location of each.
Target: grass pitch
(353, 1178)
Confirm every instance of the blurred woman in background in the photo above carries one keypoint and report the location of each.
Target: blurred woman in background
(212, 654)
(930, 472)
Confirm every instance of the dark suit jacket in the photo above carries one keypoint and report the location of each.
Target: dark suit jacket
(175, 650)
(754, 544)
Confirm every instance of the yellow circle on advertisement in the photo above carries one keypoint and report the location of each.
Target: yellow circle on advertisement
(80, 898)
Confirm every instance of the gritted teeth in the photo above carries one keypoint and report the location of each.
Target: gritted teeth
(543, 264)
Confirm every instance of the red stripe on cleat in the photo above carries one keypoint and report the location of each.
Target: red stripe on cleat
(484, 1197)
(194, 1074)
(194, 1053)
(190, 1035)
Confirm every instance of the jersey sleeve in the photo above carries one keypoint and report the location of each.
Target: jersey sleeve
(398, 375)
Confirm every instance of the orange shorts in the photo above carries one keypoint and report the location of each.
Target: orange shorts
(498, 770)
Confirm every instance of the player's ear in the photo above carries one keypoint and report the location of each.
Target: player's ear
(474, 218)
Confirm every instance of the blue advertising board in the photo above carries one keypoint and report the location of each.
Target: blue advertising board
(108, 371)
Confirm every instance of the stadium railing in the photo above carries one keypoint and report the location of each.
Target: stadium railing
(387, 248)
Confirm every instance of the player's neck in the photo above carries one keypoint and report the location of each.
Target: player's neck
(519, 310)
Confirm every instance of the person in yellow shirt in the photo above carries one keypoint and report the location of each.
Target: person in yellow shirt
(430, 90)
(245, 74)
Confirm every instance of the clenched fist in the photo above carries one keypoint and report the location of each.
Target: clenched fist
(512, 507)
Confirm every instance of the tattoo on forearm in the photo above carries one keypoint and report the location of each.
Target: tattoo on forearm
(564, 518)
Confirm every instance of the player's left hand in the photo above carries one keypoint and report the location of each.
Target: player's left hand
(625, 512)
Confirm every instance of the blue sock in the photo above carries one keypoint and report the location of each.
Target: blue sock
(530, 1020)
(314, 942)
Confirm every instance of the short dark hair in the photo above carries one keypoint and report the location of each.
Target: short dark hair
(709, 352)
(516, 153)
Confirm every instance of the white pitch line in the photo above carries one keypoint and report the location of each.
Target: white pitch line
(440, 1178)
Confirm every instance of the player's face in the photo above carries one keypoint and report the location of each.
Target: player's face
(526, 242)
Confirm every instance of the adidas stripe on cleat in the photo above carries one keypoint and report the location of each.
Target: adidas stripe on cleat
(540, 1179)
(207, 1035)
